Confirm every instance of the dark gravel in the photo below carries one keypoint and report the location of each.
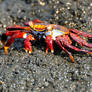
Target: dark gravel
(41, 72)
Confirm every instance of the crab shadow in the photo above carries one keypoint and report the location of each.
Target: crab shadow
(18, 45)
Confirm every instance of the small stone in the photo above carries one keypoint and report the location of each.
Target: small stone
(91, 20)
(68, 8)
(4, 26)
(57, 11)
(68, 3)
(90, 4)
(42, 3)
(46, 83)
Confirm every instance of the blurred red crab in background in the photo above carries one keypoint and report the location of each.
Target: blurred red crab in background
(37, 29)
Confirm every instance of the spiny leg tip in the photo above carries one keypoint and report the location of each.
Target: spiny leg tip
(30, 52)
(26, 50)
(72, 58)
(52, 51)
(89, 52)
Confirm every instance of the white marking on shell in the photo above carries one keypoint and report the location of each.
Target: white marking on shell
(55, 33)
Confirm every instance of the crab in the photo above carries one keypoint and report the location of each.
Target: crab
(37, 29)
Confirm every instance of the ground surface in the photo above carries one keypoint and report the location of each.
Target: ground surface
(41, 72)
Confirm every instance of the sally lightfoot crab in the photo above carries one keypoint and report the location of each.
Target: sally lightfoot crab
(37, 29)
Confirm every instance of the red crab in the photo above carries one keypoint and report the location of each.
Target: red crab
(38, 29)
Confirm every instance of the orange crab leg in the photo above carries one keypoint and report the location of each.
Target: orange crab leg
(49, 43)
(81, 33)
(59, 43)
(81, 41)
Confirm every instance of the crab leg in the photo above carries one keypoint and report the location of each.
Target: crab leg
(27, 43)
(77, 49)
(59, 43)
(81, 33)
(49, 43)
(66, 41)
(80, 40)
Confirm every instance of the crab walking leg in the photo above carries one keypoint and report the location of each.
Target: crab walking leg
(77, 49)
(27, 43)
(49, 44)
(81, 33)
(81, 41)
(11, 40)
(70, 55)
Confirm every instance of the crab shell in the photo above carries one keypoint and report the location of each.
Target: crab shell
(44, 29)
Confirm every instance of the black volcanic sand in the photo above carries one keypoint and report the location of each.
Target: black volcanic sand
(41, 72)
